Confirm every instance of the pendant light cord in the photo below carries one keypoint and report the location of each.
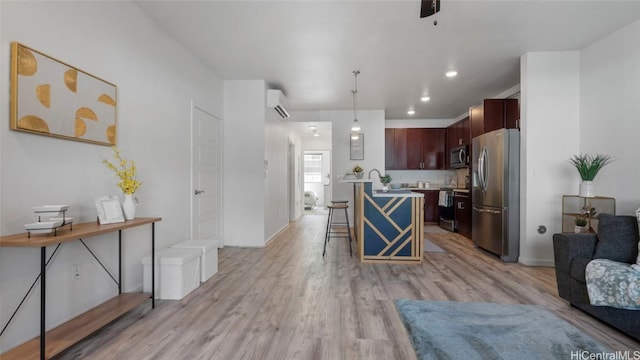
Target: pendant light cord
(355, 92)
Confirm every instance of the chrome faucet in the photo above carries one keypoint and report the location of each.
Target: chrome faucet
(376, 170)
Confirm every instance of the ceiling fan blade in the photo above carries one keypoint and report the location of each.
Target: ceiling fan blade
(426, 8)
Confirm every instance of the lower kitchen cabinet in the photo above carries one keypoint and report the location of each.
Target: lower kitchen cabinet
(430, 205)
(462, 203)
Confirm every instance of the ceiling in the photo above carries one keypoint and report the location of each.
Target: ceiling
(309, 48)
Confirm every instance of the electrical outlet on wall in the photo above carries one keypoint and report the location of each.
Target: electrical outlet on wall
(75, 272)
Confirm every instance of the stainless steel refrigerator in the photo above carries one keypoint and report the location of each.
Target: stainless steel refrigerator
(495, 193)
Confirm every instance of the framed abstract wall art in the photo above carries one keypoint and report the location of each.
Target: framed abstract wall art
(49, 97)
(357, 147)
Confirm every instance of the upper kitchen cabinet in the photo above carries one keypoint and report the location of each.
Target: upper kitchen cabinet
(395, 149)
(459, 134)
(494, 114)
(426, 149)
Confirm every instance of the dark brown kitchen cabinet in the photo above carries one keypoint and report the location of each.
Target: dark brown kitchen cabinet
(395, 149)
(462, 204)
(494, 114)
(458, 134)
(426, 149)
(430, 205)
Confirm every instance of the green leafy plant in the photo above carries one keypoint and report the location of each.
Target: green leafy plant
(386, 179)
(588, 166)
(580, 221)
(357, 169)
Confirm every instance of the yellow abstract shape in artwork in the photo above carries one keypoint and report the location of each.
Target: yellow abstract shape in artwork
(81, 127)
(43, 92)
(31, 122)
(86, 113)
(71, 79)
(27, 63)
(111, 134)
(104, 98)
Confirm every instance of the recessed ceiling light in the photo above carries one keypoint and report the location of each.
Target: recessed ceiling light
(411, 112)
(316, 134)
(425, 98)
(451, 73)
(312, 128)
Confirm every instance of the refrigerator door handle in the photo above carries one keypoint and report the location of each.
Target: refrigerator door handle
(482, 169)
(486, 211)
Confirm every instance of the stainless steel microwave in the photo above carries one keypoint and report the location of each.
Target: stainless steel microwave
(459, 157)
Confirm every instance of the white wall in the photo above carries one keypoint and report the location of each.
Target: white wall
(156, 81)
(610, 109)
(372, 124)
(316, 143)
(550, 123)
(276, 205)
(297, 181)
(244, 155)
(590, 101)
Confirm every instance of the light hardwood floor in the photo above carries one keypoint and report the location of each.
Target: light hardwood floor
(286, 302)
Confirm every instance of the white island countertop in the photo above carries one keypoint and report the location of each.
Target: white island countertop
(356, 180)
(396, 193)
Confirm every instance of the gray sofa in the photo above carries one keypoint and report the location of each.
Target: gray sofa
(617, 240)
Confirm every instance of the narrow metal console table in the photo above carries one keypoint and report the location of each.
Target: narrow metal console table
(76, 329)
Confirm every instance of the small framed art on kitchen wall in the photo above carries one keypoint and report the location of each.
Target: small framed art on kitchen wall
(49, 97)
(357, 147)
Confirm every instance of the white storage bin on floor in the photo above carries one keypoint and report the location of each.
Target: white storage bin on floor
(209, 255)
(177, 273)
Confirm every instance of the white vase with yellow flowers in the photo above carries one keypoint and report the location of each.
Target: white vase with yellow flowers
(126, 171)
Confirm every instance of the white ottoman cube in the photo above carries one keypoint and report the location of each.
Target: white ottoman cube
(177, 273)
(209, 255)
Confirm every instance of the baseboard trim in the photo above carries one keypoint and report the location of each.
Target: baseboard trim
(536, 262)
(277, 233)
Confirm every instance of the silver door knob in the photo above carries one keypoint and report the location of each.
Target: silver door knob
(198, 192)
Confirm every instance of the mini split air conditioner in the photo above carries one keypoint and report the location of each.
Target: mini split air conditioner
(277, 101)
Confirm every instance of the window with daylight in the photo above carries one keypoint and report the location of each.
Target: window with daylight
(313, 168)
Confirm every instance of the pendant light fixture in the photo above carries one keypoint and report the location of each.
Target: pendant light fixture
(355, 126)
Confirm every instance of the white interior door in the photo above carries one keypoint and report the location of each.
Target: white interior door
(206, 165)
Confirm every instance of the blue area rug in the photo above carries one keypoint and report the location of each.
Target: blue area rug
(458, 330)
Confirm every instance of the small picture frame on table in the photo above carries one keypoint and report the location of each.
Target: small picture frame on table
(109, 210)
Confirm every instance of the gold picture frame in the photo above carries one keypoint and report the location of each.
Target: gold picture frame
(49, 97)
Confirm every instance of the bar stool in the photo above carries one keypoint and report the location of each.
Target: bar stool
(334, 202)
(330, 233)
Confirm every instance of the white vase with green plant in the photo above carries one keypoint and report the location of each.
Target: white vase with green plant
(385, 180)
(580, 224)
(359, 171)
(588, 167)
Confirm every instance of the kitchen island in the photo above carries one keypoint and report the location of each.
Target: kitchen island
(388, 225)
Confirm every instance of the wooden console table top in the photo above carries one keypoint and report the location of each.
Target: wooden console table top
(65, 233)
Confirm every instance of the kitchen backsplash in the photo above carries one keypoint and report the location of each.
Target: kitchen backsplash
(454, 178)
